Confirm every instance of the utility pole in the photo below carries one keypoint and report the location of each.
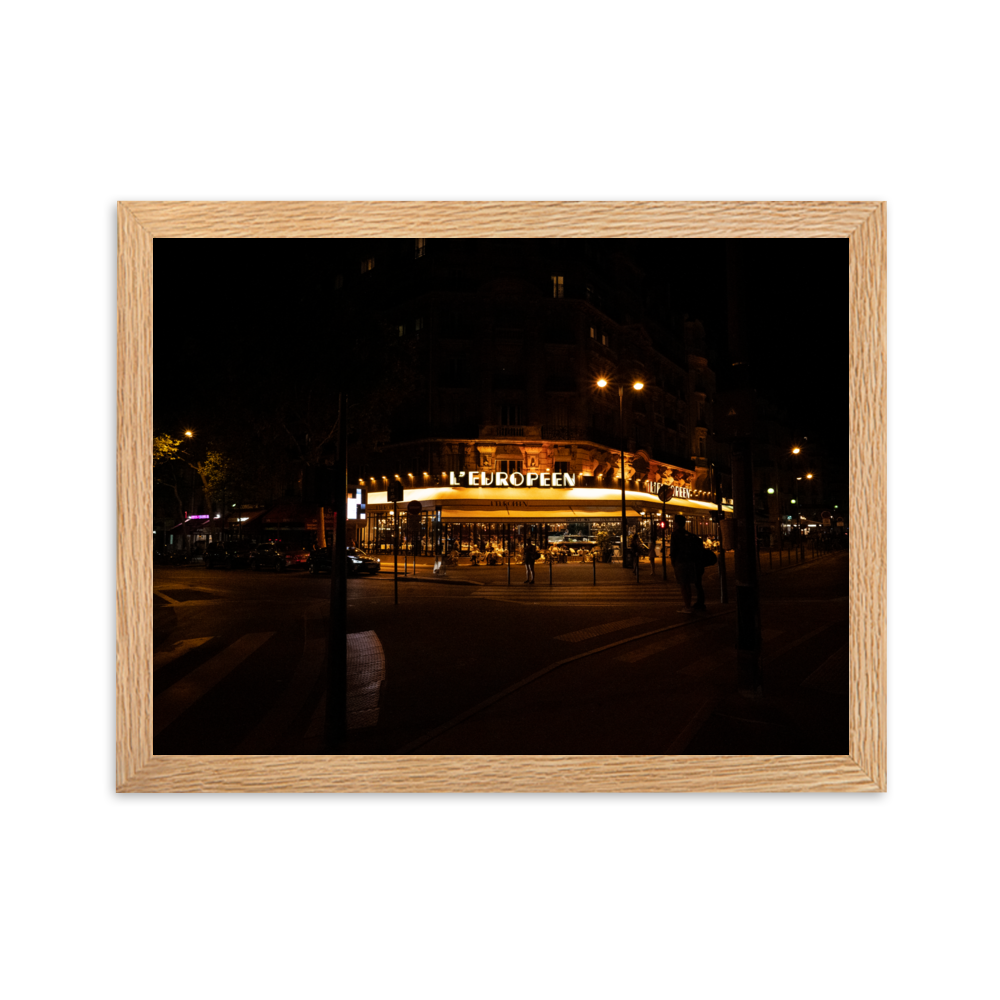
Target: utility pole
(336, 645)
(718, 516)
(737, 412)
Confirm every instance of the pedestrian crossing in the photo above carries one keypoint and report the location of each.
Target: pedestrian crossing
(167, 656)
(593, 631)
(180, 696)
(583, 596)
(299, 685)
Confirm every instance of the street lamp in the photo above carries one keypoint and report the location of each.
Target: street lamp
(637, 387)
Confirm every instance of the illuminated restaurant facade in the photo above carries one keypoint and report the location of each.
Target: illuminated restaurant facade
(527, 357)
(471, 510)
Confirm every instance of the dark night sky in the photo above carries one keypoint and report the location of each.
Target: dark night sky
(238, 297)
(795, 317)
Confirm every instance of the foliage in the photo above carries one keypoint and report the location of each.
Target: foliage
(227, 482)
(165, 449)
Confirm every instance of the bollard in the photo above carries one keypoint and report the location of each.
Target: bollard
(550, 571)
(593, 559)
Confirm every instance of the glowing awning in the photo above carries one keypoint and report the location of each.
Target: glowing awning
(492, 504)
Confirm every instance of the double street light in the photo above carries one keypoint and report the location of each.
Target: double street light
(785, 463)
(637, 387)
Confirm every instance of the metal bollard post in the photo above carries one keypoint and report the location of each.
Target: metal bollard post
(593, 559)
(550, 571)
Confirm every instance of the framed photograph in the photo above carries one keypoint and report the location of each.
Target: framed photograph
(863, 225)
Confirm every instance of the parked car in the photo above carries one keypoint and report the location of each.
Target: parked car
(358, 561)
(169, 557)
(234, 552)
(277, 555)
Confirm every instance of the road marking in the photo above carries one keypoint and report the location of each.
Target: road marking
(595, 630)
(165, 656)
(524, 682)
(270, 729)
(838, 657)
(163, 597)
(697, 720)
(179, 697)
(660, 646)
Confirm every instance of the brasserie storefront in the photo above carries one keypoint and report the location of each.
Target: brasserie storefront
(477, 512)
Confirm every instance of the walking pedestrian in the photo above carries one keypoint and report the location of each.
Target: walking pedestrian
(636, 547)
(687, 559)
(530, 555)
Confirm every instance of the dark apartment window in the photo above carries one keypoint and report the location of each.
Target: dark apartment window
(418, 324)
(510, 415)
(367, 264)
(557, 286)
(509, 465)
(561, 467)
(604, 339)
(401, 330)
(419, 248)
(338, 282)
(593, 333)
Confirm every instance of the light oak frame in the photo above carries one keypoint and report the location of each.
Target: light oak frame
(862, 769)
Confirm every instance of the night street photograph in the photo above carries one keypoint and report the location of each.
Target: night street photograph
(501, 496)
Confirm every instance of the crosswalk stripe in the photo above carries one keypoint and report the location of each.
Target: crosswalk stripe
(595, 630)
(653, 647)
(165, 656)
(179, 697)
(281, 715)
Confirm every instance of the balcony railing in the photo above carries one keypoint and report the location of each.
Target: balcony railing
(510, 431)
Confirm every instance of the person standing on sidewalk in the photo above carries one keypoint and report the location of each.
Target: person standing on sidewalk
(686, 557)
(636, 550)
(530, 555)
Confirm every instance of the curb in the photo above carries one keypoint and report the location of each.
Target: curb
(437, 580)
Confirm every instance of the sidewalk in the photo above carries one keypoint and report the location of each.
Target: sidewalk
(578, 574)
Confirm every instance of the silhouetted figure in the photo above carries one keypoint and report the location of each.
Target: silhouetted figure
(530, 555)
(687, 559)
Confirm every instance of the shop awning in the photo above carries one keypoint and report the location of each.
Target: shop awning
(539, 505)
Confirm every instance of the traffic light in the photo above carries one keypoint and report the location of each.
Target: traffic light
(662, 525)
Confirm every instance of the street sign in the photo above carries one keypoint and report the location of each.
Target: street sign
(395, 492)
(665, 493)
(414, 507)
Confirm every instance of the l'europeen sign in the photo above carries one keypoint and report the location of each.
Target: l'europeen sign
(549, 480)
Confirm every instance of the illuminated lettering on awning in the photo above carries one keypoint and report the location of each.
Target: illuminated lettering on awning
(533, 480)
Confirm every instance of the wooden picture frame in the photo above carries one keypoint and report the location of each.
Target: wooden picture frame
(862, 769)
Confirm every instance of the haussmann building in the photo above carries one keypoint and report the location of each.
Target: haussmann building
(511, 432)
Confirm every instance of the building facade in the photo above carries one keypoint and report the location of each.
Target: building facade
(511, 339)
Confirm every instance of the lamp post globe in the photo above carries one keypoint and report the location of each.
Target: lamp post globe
(636, 387)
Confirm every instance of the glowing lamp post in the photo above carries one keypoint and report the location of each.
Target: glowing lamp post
(636, 386)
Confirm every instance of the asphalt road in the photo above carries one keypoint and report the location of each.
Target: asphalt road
(491, 668)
